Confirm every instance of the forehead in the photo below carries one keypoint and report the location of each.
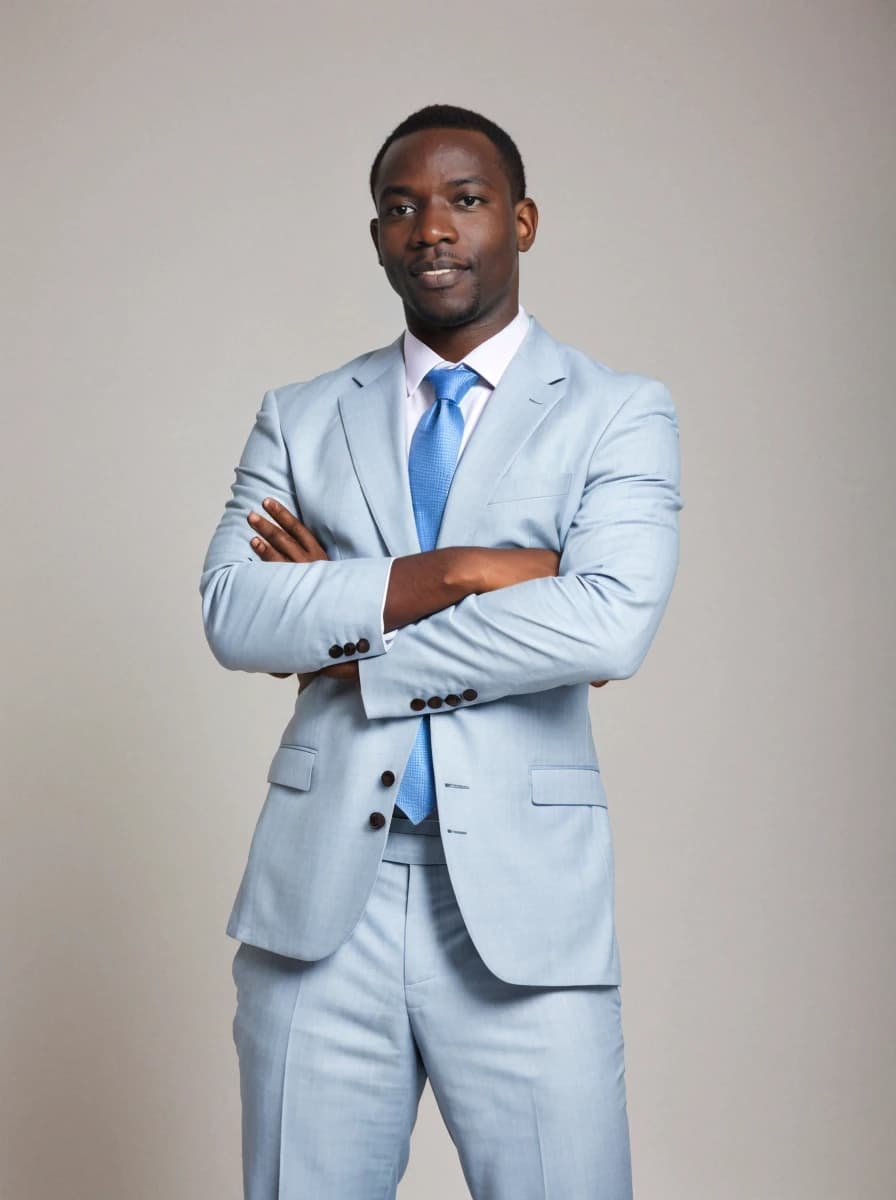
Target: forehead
(433, 157)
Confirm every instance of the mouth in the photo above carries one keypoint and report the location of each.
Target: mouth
(438, 275)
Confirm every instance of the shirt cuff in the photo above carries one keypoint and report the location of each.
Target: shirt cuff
(388, 638)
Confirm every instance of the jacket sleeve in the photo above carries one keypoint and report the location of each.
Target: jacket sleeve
(283, 617)
(594, 620)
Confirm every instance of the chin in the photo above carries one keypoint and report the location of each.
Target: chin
(447, 315)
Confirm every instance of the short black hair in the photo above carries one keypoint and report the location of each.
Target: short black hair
(449, 116)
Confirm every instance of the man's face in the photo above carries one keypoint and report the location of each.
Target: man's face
(447, 233)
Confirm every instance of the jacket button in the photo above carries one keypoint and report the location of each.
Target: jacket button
(362, 645)
(434, 702)
(377, 820)
(469, 693)
(388, 778)
(335, 652)
(349, 647)
(417, 704)
(452, 699)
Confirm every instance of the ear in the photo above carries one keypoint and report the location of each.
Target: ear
(526, 214)
(375, 234)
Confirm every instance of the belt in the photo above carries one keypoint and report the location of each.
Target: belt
(416, 844)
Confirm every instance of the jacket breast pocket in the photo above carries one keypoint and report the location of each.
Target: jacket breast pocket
(524, 510)
(292, 766)
(524, 485)
(567, 785)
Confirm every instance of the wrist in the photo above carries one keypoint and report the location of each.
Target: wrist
(465, 569)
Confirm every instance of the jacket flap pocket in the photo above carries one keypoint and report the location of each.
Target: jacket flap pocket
(525, 486)
(567, 785)
(291, 766)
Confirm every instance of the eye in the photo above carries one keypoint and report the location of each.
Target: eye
(394, 210)
(471, 201)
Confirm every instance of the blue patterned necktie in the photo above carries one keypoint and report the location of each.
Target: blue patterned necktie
(431, 463)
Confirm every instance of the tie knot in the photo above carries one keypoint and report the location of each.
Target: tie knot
(452, 383)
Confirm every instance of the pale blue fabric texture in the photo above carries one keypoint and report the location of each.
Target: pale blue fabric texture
(334, 1055)
(568, 455)
(431, 464)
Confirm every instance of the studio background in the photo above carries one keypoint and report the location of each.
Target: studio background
(186, 227)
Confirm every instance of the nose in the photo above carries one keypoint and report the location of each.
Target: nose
(433, 225)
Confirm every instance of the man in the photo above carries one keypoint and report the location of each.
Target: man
(453, 536)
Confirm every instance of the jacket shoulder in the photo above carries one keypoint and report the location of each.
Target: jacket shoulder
(328, 383)
(583, 368)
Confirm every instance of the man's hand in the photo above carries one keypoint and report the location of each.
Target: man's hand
(290, 541)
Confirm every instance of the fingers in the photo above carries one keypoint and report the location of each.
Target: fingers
(268, 553)
(294, 527)
(279, 546)
(599, 682)
(288, 540)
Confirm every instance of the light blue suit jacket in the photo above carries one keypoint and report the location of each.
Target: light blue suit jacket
(568, 455)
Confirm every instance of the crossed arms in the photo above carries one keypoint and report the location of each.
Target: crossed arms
(419, 584)
(499, 622)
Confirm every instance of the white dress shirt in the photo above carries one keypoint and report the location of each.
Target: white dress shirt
(490, 360)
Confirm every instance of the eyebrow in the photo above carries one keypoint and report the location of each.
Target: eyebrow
(403, 189)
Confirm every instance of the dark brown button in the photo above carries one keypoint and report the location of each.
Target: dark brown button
(363, 645)
(469, 693)
(417, 704)
(335, 652)
(388, 778)
(434, 702)
(349, 647)
(377, 820)
(452, 699)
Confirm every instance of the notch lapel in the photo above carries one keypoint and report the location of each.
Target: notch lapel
(526, 393)
(372, 416)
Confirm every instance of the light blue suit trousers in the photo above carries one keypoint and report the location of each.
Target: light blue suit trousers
(334, 1055)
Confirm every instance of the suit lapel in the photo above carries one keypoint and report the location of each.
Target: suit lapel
(528, 390)
(373, 419)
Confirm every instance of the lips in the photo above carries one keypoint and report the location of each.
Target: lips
(438, 273)
(437, 266)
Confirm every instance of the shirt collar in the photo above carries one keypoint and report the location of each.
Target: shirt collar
(490, 358)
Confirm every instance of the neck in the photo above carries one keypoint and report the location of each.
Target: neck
(455, 343)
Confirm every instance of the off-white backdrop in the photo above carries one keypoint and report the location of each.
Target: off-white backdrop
(185, 227)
